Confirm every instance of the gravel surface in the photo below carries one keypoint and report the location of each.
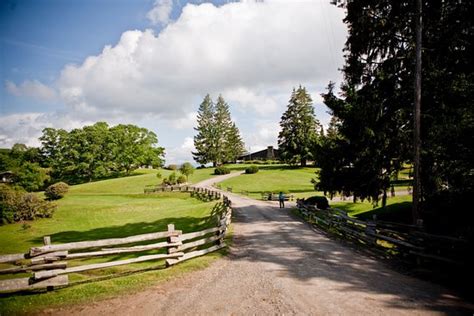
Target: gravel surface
(280, 265)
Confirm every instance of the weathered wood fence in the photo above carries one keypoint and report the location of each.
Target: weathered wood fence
(49, 267)
(202, 193)
(392, 239)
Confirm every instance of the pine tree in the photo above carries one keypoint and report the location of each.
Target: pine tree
(235, 145)
(299, 128)
(205, 139)
(223, 126)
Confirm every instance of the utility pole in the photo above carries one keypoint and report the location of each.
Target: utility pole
(417, 111)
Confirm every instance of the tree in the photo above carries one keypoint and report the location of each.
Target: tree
(218, 139)
(376, 100)
(98, 151)
(235, 144)
(186, 169)
(299, 128)
(204, 140)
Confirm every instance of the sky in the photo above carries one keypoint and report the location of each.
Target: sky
(66, 64)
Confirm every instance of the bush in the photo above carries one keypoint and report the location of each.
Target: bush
(56, 191)
(221, 170)
(16, 205)
(320, 202)
(181, 179)
(171, 180)
(251, 169)
(172, 167)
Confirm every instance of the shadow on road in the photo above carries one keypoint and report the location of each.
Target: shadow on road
(292, 249)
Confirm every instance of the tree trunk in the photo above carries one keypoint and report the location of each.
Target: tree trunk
(303, 162)
(384, 198)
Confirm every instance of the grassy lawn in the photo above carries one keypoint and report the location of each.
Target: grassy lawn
(108, 209)
(273, 178)
(398, 209)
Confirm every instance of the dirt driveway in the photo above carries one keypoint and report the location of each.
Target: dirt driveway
(280, 265)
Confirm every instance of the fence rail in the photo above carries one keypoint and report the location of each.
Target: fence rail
(49, 266)
(393, 239)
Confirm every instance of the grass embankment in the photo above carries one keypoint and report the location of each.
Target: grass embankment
(108, 209)
(297, 181)
(273, 178)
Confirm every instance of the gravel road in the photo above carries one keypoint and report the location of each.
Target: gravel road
(280, 265)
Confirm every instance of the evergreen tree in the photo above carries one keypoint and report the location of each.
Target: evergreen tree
(377, 98)
(299, 129)
(205, 139)
(223, 126)
(235, 145)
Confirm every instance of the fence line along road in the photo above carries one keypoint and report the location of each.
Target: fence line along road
(49, 266)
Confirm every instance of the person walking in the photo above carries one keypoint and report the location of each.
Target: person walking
(281, 198)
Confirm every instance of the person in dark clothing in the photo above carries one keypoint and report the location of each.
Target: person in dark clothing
(281, 198)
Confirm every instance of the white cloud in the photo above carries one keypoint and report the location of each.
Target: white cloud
(26, 128)
(33, 89)
(182, 153)
(246, 50)
(252, 52)
(160, 14)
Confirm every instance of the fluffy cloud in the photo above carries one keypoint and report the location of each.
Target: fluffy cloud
(26, 128)
(33, 89)
(242, 48)
(180, 153)
(160, 14)
(251, 52)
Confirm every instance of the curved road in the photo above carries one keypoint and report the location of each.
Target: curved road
(280, 265)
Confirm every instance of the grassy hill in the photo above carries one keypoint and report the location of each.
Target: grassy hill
(108, 209)
(273, 178)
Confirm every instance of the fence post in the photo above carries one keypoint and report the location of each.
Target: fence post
(173, 239)
(47, 240)
(370, 231)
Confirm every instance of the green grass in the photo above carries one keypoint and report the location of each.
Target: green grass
(108, 209)
(398, 209)
(273, 178)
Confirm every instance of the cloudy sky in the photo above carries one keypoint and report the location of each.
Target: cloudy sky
(66, 64)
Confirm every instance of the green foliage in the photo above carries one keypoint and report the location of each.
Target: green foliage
(375, 106)
(172, 179)
(173, 167)
(186, 169)
(99, 151)
(299, 129)
(218, 139)
(181, 179)
(221, 170)
(17, 205)
(23, 163)
(251, 169)
(56, 191)
(159, 175)
(320, 202)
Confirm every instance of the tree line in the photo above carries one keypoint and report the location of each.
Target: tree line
(83, 154)
(218, 139)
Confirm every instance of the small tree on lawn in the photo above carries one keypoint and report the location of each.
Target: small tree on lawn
(186, 169)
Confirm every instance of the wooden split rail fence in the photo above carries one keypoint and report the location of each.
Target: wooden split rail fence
(49, 267)
(203, 193)
(393, 239)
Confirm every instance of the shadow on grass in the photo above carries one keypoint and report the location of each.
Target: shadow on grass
(186, 224)
(398, 212)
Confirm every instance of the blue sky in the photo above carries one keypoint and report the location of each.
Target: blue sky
(68, 63)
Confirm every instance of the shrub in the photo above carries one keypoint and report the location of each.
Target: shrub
(56, 191)
(16, 205)
(251, 169)
(221, 170)
(172, 167)
(181, 179)
(320, 202)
